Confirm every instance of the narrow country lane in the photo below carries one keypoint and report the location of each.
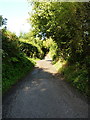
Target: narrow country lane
(42, 95)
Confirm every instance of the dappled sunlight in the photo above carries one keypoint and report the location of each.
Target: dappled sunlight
(41, 93)
(46, 65)
(34, 82)
(59, 64)
(36, 85)
(26, 88)
(48, 57)
(43, 89)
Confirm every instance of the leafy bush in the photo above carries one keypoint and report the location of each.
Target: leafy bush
(31, 48)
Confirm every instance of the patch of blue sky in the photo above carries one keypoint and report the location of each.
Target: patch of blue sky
(16, 11)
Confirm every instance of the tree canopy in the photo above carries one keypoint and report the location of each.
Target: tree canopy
(67, 23)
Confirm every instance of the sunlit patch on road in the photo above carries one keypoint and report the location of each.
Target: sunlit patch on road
(26, 88)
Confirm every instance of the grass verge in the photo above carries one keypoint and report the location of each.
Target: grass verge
(75, 74)
(12, 72)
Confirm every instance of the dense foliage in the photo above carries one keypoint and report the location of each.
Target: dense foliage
(32, 46)
(13, 60)
(67, 23)
(60, 28)
(18, 54)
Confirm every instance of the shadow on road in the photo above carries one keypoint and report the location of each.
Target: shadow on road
(42, 95)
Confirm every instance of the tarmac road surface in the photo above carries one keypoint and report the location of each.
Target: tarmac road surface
(42, 95)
